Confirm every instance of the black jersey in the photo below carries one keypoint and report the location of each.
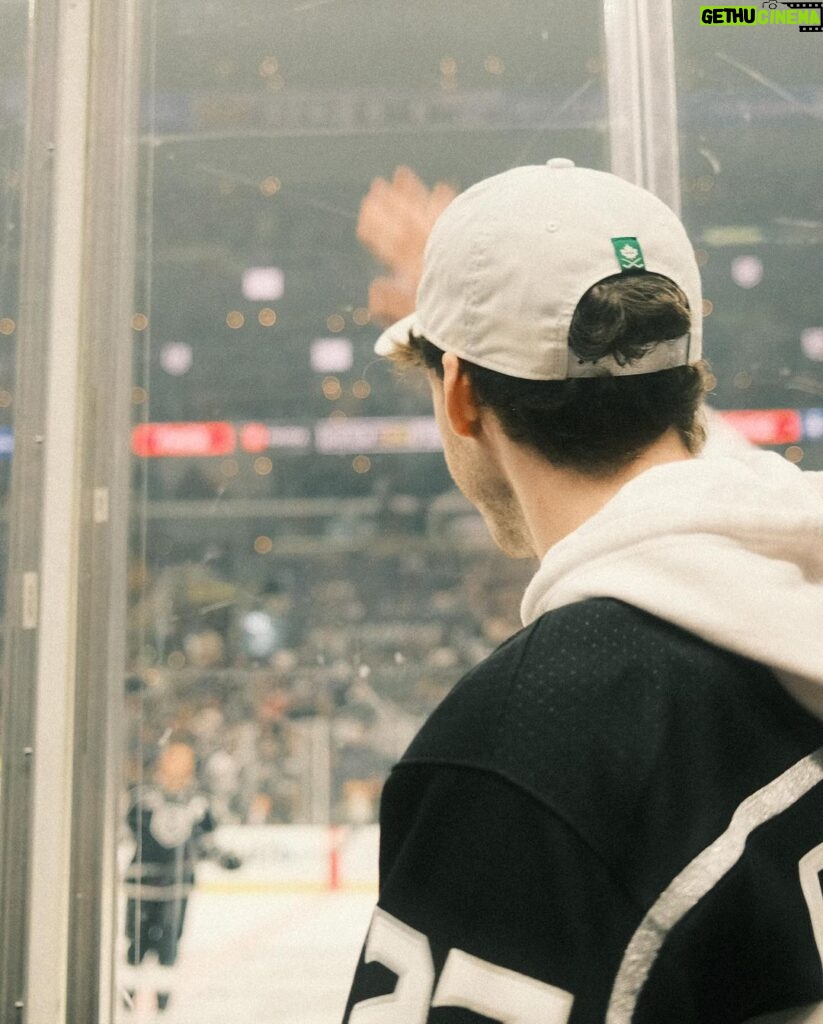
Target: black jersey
(608, 820)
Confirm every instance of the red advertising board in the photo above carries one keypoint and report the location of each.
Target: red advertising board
(767, 426)
(185, 440)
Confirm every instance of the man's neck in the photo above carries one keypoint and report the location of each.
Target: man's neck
(555, 501)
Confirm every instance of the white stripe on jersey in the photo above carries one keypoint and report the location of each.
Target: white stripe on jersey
(699, 877)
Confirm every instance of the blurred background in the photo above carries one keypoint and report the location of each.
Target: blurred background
(296, 583)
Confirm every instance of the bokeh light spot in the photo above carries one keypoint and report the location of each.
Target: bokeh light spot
(811, 343)
(270, 186)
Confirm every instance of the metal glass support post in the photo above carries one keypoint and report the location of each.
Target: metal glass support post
(24, 770)
(104, 470)
(50, 809)
(64, 659)
(642, 95)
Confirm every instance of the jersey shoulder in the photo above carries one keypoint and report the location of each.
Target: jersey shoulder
(581, 674)
(623, 725)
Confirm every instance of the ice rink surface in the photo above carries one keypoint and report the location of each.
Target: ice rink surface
(259, 958)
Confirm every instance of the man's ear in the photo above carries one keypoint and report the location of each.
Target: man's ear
(460, 405)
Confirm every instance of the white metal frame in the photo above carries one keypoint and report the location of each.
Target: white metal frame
(68, 516)
(642, 95)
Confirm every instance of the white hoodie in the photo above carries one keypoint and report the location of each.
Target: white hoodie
(727, 547)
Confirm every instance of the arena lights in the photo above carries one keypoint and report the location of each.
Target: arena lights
(331, 355)
(811, 343)
(176, 358)
(747, 271)
(263, 284)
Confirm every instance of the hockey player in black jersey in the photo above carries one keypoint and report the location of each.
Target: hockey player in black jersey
(618, 816)
(172, 827)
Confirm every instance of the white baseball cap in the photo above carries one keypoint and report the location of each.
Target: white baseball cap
(510, 258)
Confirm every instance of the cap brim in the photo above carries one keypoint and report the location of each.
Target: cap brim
(396, 336)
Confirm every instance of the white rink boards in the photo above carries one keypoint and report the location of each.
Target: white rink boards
(264, 950)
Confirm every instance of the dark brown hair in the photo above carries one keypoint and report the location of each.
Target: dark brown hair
(597, 425)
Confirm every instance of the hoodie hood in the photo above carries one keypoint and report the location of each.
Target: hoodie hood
(728, 548)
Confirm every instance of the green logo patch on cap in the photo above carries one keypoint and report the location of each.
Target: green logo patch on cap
(629, 254)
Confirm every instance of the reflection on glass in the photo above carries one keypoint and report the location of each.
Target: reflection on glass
(12, 133)
(751, 113)
(305, 584)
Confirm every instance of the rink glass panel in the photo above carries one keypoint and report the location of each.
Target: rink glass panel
(13, 726)
(304, 583)
(12, 132)
(751, 134)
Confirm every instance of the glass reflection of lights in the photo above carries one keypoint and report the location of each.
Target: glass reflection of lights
(263, 466)
(270, 186)
(747, 271)
(235, 319)
(176, 358)
(811, 343)
(263, 284)
(139, 322)
(331, 355)
(361, 464)
(267, 317)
